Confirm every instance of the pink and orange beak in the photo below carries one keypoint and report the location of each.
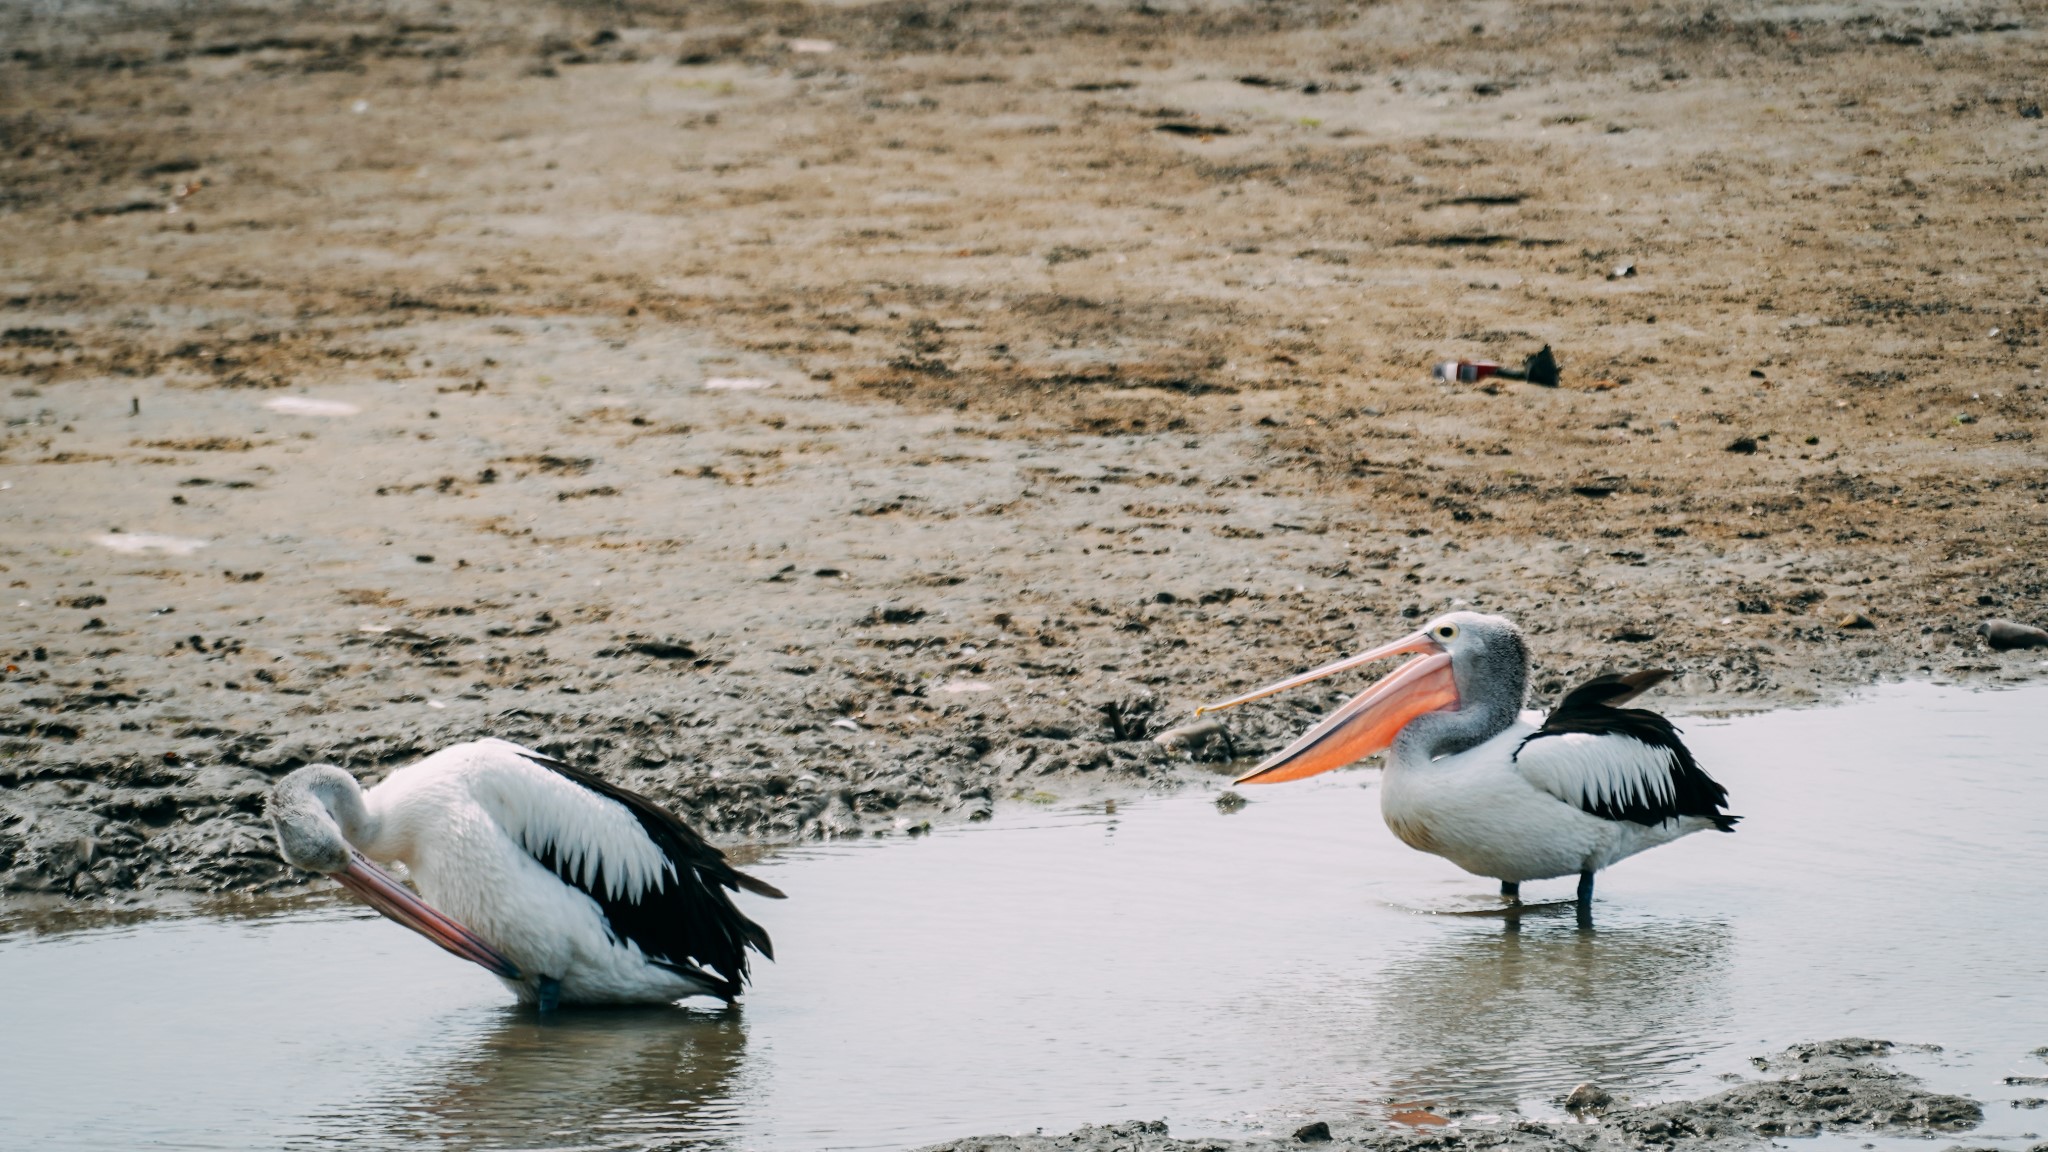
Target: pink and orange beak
(1368, 722)
(384, 893)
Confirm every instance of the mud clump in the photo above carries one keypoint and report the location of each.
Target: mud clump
(1838, 1086)
(1834, 1086)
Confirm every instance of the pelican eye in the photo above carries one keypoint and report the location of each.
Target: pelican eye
(1447, 631)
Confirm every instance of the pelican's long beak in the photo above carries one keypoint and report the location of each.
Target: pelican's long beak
(384, 893)
(1369, 721)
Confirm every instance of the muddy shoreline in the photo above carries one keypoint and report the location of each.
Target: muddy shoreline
(1837, 1087)
(830, 419)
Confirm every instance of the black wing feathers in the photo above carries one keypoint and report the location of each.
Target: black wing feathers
(1595, 708)
(1613, 690)
(690, 925)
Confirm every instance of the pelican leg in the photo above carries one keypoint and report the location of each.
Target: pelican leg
(1586, 889)
(1511, 891)
(550, 994)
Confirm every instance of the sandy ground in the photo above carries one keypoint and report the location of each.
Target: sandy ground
(831, 418)
(1840, 1088)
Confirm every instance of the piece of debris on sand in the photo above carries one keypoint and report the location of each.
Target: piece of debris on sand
(1837, 1086)
(1540, 368)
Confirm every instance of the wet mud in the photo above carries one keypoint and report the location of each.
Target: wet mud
(1841, 1087)
(834, 418)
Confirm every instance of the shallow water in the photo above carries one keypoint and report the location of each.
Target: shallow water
(1230, 973)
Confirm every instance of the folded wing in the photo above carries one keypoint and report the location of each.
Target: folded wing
(1620, 763)
(658, 883)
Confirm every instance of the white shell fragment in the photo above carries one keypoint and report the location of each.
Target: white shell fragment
(133, 542)
(308, 406)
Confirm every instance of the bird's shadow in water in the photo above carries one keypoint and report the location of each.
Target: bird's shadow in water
(572, 1077)
(1513, 913)
(1494, 1015)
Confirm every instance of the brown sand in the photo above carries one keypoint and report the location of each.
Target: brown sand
(1081, 361)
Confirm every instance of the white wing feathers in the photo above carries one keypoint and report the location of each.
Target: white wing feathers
(1607, 771)
(593, 838)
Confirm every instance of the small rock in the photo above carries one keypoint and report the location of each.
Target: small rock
(1204, 739)
(1622, 271)
(2029, 1102)
(1588, 1097)
(2004, 635)
(670, 649)
(1854, 620)
(1742, 445)
(1316, 1133)
(1230, 802)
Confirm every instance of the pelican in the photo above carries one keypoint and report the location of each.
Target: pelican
(568, 888)
(1497, 791)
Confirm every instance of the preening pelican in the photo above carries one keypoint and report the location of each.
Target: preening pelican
(1497, 791)
(568, 888)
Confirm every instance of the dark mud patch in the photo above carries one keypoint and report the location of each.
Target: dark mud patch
(1836, 1086)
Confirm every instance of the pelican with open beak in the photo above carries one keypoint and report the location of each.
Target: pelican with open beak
(1497, 791)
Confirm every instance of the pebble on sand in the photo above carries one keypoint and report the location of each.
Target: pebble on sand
(1854, 620)
(2005, 635)
(1316, 1133)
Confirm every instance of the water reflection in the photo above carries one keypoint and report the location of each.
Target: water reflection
(1523, 1009)
(623, 1078)
(1259, 972)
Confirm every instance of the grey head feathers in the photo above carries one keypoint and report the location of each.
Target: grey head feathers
(307, 810)
(1491, 660)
